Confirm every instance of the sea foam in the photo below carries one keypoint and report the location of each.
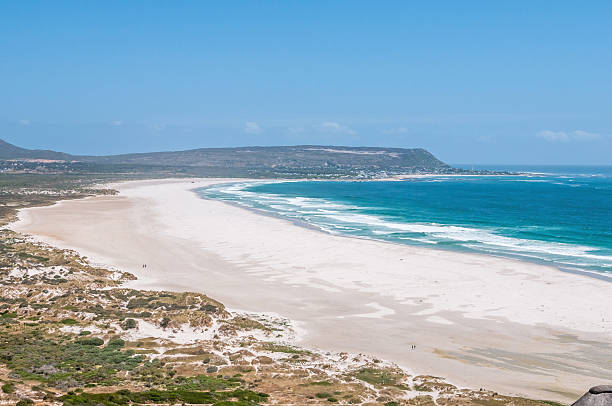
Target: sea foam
(359, 219)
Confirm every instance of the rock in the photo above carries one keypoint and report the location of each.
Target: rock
(596, 396)
(212, 369)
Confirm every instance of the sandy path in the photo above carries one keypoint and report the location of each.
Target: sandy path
(479, 321)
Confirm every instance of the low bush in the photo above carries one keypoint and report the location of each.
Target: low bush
(125, 397)
(69, 322)
(377, 376)
(129, 324)
(8, 387)
(33, 357)
(90, 341)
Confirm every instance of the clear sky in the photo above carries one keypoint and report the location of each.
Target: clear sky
(471, 81)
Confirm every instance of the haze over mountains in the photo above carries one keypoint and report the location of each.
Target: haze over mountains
(301, 160)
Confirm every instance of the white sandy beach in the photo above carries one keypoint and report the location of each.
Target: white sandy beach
(480, 321)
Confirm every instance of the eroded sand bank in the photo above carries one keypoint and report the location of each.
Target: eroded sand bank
(479, 321)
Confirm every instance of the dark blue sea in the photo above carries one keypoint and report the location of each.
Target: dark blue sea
(557, 215)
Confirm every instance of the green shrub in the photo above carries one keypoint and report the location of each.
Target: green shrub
(377, 376)
(116, 343)
(320, 383)
(69, 322)
(8, 387)
(140, 302)
(65, 364)
(125, 397)
(90, 341)
(129, 324)
(208, 308)
(203, 383)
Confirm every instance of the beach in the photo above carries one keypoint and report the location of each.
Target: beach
(479, 321)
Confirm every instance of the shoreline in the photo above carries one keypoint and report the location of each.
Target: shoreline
(454, 350)
(302, 223)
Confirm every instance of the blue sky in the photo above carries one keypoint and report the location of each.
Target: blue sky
(471, 81)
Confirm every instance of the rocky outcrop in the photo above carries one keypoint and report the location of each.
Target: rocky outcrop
(596, 396)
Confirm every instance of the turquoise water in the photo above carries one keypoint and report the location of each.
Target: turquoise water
(561, 216)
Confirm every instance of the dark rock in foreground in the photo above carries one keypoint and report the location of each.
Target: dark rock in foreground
(596, 396)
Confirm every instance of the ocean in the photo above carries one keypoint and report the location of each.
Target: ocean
(560, 216)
